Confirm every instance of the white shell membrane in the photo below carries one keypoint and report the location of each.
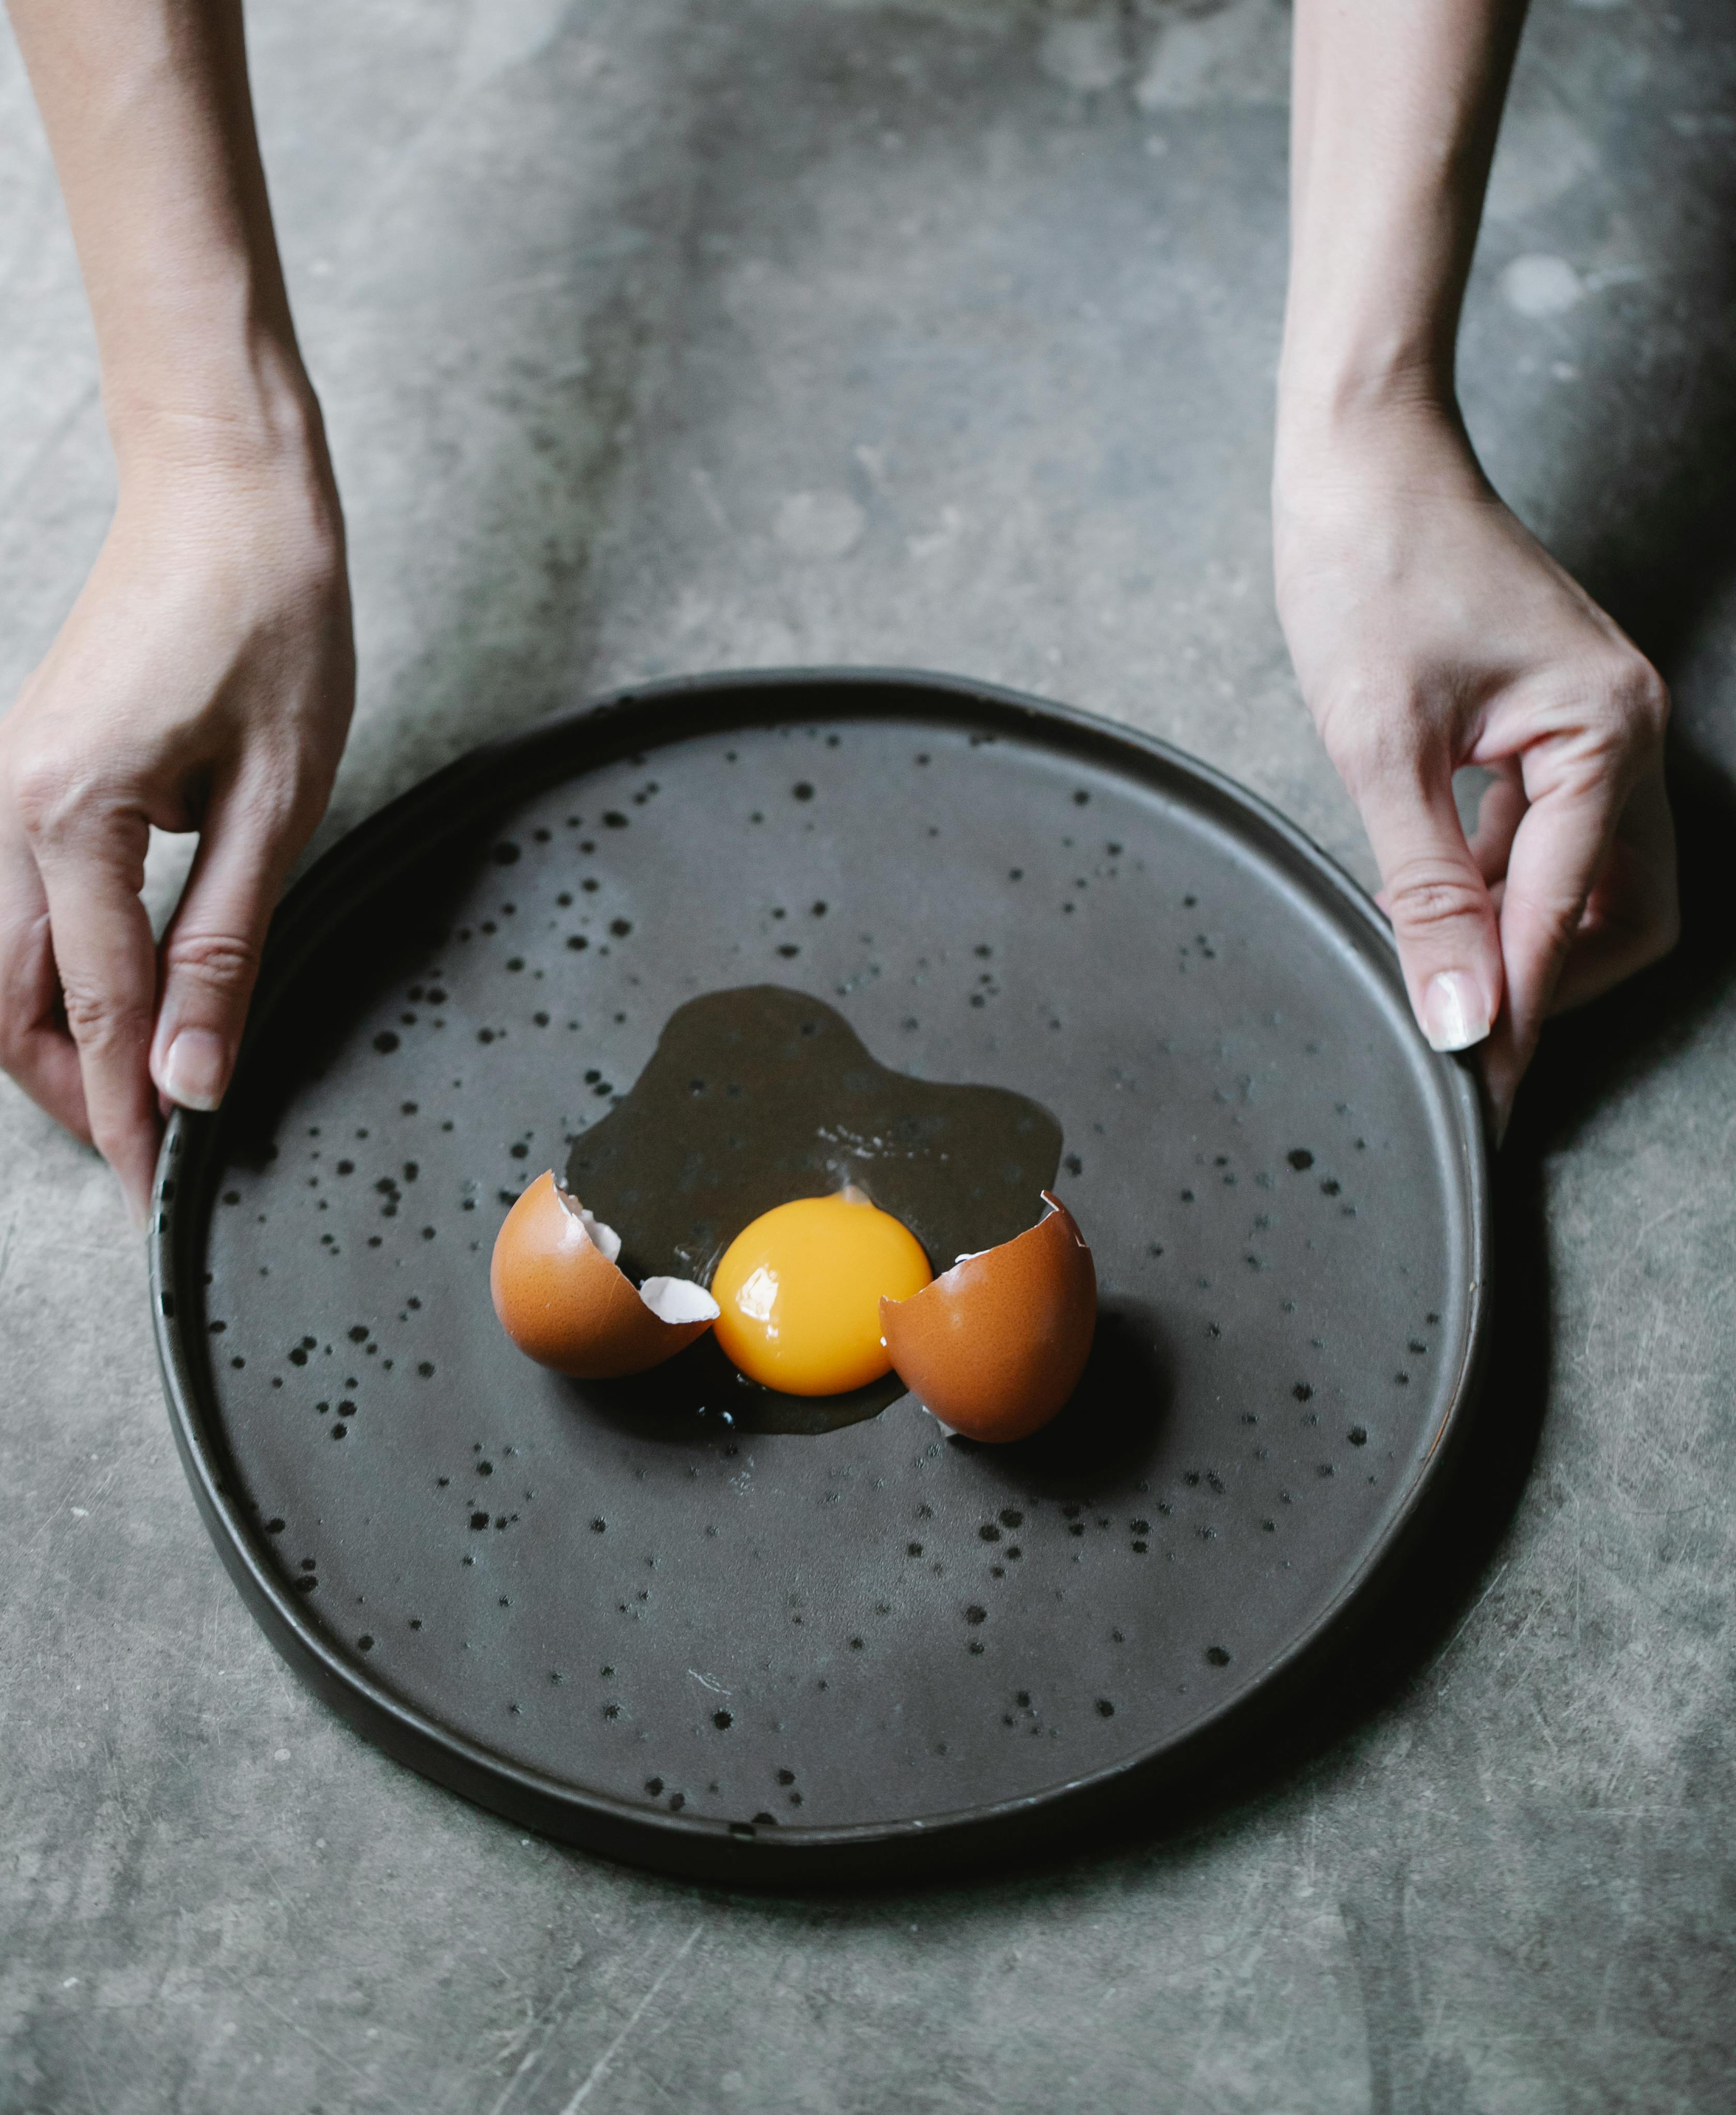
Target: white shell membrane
(670, 1299)
(679, 1299)
(604, 1239)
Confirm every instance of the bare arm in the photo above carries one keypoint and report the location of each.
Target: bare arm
(204, 679)
(1429, 629)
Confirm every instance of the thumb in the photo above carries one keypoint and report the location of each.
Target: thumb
(211, 949)
(1443, 918)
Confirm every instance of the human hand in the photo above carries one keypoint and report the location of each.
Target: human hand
(203, 681)
(1431, 630)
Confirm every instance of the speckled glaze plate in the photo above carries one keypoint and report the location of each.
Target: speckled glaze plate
(654, 1626)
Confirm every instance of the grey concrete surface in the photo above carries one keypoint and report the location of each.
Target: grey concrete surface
(659, 335)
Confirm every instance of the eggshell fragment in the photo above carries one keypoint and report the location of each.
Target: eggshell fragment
(563, 1301)
(995, 1346)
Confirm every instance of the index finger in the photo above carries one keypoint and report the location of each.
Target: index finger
(106, 962)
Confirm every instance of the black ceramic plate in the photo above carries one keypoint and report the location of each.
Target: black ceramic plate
(772, 1654)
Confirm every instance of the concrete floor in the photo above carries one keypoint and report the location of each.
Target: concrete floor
(659, 335)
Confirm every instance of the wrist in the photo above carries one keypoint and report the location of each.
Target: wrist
(239, 480)
(228, 392)
(1402, 429)
(1360, 384)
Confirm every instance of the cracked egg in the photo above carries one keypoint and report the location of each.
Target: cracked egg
(767, 1164)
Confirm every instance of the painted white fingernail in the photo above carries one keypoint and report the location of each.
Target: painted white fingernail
(192, 1072)
(1454, 1013)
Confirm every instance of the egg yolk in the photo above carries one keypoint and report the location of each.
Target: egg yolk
(800, 1290)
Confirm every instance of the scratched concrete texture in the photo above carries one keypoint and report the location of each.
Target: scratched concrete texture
(662, 335)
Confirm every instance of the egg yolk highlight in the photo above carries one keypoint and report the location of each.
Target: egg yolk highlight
(800, 1291)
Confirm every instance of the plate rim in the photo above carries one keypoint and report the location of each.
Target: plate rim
(705, 1846)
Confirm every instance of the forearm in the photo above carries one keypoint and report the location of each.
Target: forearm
(1395, 108)
(148, 112)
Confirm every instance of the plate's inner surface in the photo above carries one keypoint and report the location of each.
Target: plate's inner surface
(873, 1622)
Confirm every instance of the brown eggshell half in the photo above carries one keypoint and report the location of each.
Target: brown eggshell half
(565, 1304)
(995, 1346)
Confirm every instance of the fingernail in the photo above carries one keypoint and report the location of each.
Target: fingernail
(192, 1072)
(1454, 1013)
